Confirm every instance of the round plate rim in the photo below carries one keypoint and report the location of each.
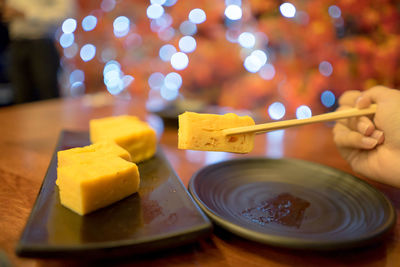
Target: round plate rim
(292, 242)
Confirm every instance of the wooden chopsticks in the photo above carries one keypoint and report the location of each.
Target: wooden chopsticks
(331, 116)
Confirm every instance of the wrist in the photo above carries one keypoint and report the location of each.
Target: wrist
(388, 169)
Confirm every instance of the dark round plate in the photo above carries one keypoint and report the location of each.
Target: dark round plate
(292, 203)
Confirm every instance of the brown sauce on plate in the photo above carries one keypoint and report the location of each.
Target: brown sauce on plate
(284, 209)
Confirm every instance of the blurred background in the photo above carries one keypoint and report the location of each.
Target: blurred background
(276, 59)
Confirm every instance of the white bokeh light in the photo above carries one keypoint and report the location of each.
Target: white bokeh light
(303, 112)
(76, 76)
(168, 94)
(173, 81)
(69, 25)
(325, 68)
(112, 75)
(233, 12)
(252, 64)
(276, 111)
(267, 72)
(187, 44)
(121, 26)
(156, 80)
(287, 10)
(121, 23)
(166, 52)
(115, 86)
(334, 11)
(247, 40)
(155, 11)
(89, 23)
(114, 78)
(179, 61)
(197, 16)
(111, 65)
(71, 51)
(188, 28)
(261, 55)
(88, 51)
(67, 39)
(107, 5)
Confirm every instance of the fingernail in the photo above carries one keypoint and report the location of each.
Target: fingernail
(362, 102)
(378, 135)
(358, 100)
(364, 128)
(369, 142)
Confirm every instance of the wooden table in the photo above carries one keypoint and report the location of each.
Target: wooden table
(28, 137)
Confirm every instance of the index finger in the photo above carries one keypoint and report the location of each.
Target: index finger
(374, 95)
(349, 98)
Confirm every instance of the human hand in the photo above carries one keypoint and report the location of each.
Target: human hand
(371, 145)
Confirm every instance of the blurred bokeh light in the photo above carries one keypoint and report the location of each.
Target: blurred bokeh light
(276, 58)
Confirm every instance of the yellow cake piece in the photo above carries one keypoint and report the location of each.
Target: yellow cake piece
(87, 153)
(204, 132)
(134, 135)
(98, 149)
(95, 183)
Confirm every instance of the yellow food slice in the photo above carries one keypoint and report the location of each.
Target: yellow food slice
(204, 132)
(98, 149)
(96, 183)
(87, 153)
(134, 135)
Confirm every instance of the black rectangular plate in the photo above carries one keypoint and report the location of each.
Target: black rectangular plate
(161, 215)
